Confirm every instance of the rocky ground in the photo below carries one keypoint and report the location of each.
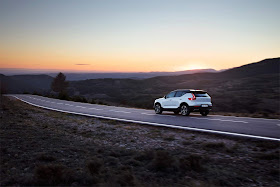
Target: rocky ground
(41, 147)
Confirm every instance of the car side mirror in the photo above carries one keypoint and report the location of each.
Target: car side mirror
(164, 97)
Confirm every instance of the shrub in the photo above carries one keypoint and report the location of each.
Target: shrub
(77, 98)
(126, 179)
(94, 166)
(46, 158)
(102, 103)
(162, 161)
(133, 162)
(214, 145)
(268, 145)
(169, 138)
(142, 156)
(50, 175)
(191, 162)
(268, 156)
(93, 101)
(63, 96)
(36, 93)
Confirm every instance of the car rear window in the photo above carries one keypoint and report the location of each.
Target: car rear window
(200, 93)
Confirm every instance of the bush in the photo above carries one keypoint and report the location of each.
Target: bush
(63, 96)
(94, 166)
(77, 98)
(143, 156)
(126, 179)
(162, 161)
(36, 93)
(214, 145)
(268, 156)
(46, 158)
(191, 162)
(93, 101)
(101, 103)
(50, 175)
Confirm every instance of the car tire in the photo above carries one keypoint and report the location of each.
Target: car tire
(204, 113)
(185, 110)
(158, 109)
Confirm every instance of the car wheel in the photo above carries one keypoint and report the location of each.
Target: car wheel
(204, 113)
(185, 111)
(158, 109)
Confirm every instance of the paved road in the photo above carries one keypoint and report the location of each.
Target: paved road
(240, 126)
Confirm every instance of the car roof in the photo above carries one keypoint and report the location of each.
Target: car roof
(189, 90)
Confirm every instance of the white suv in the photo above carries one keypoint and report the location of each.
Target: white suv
(184, 101)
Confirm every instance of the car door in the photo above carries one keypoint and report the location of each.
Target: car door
(177, 99)
(167, 101)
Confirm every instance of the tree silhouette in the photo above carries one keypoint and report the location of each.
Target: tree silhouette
(59, 84)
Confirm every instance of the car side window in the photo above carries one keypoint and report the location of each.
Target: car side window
(171, 94)
(180, 93)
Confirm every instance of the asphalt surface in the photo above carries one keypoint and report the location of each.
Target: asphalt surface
(238, 126)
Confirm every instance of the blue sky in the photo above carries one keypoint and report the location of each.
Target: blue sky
(130, 35)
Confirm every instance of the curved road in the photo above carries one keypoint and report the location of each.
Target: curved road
(240, 126)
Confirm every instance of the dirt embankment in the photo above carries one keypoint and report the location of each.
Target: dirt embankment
(41, 147)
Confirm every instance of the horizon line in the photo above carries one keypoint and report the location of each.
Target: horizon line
(36, 71)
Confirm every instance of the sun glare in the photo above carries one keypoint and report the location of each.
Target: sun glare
(195, 66)
(191, 66)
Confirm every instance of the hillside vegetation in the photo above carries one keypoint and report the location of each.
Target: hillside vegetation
(252, 88)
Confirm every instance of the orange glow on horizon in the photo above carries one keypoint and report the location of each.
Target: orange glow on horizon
(124, 62)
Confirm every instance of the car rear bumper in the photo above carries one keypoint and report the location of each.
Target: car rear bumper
(200, 108)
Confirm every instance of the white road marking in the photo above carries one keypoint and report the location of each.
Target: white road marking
(241, 117)
(68, 104)
(80, 107)
(227, 120)
(220, 120)
(95, 109)
(148, 114)
(120, 111)
(59, 103)
(158, 115)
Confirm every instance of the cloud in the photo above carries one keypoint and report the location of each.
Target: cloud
(82, 64)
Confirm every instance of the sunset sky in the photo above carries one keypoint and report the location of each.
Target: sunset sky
(137, 36)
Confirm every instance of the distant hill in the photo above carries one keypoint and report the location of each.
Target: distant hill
(26, 83)
(102, 75)
(267, 66)
(140, 75)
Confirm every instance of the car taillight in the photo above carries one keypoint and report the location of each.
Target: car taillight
(192, 98)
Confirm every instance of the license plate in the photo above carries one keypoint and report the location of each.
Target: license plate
(204, 105)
